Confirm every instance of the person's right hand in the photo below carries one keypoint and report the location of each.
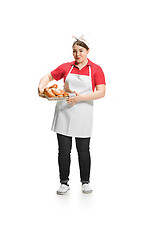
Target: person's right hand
(40, 92)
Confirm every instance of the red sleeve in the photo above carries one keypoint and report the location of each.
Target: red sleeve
(99, 77)
(59, 72)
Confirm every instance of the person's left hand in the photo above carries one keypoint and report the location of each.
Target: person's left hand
(76, 99)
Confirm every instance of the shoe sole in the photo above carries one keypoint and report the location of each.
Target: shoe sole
(60, 193)
(87, 192)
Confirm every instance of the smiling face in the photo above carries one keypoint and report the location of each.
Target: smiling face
(80, 54)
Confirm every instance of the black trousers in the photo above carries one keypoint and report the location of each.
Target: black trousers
(64, 157)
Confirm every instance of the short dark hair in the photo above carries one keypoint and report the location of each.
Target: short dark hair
(80, 43)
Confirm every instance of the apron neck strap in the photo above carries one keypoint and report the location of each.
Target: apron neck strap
(71, 69)
(90, 71)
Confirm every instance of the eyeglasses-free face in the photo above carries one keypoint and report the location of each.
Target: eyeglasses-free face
(80, 54)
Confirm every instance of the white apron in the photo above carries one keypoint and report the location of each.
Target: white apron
(76, 120)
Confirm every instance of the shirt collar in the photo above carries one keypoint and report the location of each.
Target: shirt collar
(88, 64)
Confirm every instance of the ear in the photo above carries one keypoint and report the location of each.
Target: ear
(88, 51)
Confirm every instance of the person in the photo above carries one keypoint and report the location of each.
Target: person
(85, 82)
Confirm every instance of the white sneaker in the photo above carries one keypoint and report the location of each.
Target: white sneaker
(63, 189)
(86, 188)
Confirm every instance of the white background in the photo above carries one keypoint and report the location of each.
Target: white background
(36, 37)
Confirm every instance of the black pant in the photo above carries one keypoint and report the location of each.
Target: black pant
(64, 158)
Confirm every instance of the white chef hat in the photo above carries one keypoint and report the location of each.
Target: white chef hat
(81, 38)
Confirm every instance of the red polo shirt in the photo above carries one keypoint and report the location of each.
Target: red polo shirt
(97, 74)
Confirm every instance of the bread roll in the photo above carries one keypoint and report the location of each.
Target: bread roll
(48, 93)
(52, 91)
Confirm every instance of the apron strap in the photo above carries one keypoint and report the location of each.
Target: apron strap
(71, 69)
(90, 71)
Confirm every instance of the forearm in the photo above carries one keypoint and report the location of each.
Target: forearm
(93, 96)
(44, 81)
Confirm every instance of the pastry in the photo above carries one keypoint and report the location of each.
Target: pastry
(53, 91)
(54, 86)
(48, 93)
